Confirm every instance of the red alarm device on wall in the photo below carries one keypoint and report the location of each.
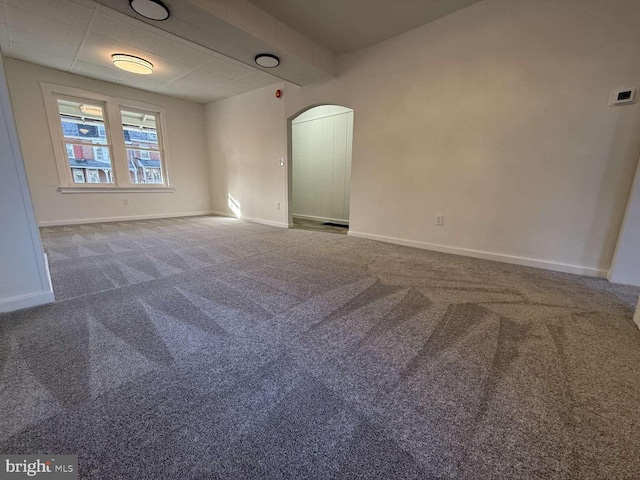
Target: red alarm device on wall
(278, 93)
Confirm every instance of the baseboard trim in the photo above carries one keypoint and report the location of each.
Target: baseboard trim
(623, 279)
(321, 219)
(78, 221)
(26, 301)
(252, 220)
(497, 257)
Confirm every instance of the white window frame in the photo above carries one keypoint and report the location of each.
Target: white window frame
(159, 133)
(112, 107)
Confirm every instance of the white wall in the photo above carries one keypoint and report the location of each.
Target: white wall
(495, 116)
(189, 167)
(246, 136)
(24, 280)
(626, 261)
(321, 162)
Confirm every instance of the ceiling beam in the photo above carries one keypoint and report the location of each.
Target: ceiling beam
(240, 30)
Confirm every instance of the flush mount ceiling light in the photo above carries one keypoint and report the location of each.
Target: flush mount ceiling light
(132, 64)
(267, 60)
(151, 9)
(91, 110)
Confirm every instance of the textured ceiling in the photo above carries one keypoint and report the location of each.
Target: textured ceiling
(347, 25)
(79, 36)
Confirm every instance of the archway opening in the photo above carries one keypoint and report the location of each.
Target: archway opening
(321, 140)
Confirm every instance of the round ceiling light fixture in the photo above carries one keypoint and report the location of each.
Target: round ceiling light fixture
(267, 60)
(132, 64)
(151, 9)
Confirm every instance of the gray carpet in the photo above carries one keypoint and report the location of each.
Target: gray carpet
(209, 347)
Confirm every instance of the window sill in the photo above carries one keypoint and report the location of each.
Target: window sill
(105, 189)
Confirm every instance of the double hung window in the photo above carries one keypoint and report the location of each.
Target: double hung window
(103, 143)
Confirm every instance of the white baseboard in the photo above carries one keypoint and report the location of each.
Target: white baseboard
(253, 220)
(498, 257)
(25, 301)
(32, 299)
(266, 222)
(78, 221)
(322, 219)
(623, 279)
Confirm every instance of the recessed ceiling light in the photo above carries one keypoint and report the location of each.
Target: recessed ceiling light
(267, 60)
(132, 64)
(151, 9)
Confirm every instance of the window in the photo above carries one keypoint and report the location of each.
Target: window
(82, 126)
(104, 143)
(143, 148)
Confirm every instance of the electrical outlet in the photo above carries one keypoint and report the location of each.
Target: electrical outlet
(281, 161)
(125, 201)
(277, 205)
(440, 220)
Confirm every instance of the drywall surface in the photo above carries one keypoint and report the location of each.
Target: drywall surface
(496, 116)
(188, 168)
(247, 138)
(626, 261)
(321, 162)
(24, 279)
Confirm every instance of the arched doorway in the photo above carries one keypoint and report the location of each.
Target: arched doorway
(320, 146)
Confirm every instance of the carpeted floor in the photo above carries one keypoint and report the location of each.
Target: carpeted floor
(210, 347)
